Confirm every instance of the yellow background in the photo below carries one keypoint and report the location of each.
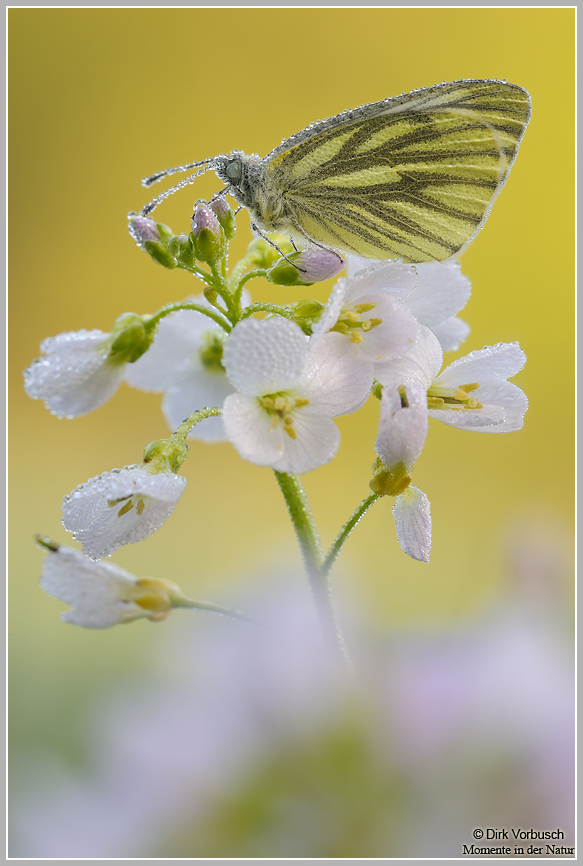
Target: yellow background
(100, 98)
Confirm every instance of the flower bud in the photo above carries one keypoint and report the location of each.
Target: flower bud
(164, 454)
(306, 313)
(208, 239)
(262, 254)
(225, 216)
(181, 248)
(144, 229)
(317, 265)
(308, 266)
(130, 339)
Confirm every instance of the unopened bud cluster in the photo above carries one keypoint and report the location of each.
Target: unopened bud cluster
(212, 227)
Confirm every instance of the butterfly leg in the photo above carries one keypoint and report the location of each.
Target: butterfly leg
(298, 228)
(265, 237)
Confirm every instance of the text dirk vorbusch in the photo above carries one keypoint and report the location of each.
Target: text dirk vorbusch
(523, 834)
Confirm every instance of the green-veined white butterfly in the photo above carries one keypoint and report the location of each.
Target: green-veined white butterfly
(411, 177)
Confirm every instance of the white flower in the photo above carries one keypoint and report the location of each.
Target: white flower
(401, 437)
(402, 426)
(288, 392)
(185, 363)
(433, 298)
(120, 507)
(367, 312)
(101, 594)
(76, 374)
(472, 392)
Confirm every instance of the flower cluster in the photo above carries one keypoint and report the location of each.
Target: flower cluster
(270, 379)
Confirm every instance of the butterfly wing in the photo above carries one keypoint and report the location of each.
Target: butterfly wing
(413, 177)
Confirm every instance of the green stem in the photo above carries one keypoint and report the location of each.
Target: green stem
(190, 604)
(267, 308)
(311, 549)
(182, 432)
(250, 275)
(345, 532)
(197, 308)
(202, 275)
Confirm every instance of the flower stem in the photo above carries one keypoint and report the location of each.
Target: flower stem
(182, 432)
(267, 308)
(345, 532)
(190, 604)
(197, 308)
(312, 554)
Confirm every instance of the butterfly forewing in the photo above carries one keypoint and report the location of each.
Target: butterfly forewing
(412, 177)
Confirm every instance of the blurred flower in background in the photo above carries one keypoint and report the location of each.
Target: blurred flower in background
(249, 742)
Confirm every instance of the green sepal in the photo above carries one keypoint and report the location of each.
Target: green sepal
(164, 454)
(159, 254)
(228, 223)
(209, 247)
(389, 482)
(165, 233)
(129, 338)
(285, 274)
(306, 313)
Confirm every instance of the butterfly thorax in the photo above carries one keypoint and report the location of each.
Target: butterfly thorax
(246, 178)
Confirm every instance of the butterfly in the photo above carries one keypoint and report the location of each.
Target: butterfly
(411, 177)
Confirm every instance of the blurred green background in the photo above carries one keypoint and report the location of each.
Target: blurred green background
(98, 98)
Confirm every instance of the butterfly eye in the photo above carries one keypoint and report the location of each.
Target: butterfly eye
(233, 169)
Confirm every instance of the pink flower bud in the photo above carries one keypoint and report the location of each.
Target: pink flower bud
(316, 265)
(220, 207)
(204, 218)
(145, 229)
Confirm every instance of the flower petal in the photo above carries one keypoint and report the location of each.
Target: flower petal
(488, 418)
(90, 394)
(412, 515)
(441, 292)
(98, 515)
(252, 430)
(208, 388)
(317, 441)
(451, 333)
(485, 365)
(175, 345)
(504, 406)
(393, 277)
(95, 590)
(69, 360)
(419, 366)
(330, 313)
(265, 356)
(335, 379)
(396, 334)
(402, 429)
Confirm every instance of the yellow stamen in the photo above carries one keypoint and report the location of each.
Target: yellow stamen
(355, 337)
(473, 386)
(140, 506)
(125, 508)
(364, 308)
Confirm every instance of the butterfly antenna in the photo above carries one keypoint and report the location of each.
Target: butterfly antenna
(154, 178)
(148, 208)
